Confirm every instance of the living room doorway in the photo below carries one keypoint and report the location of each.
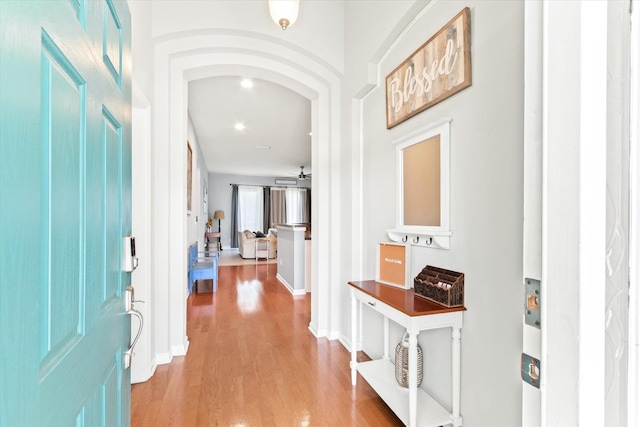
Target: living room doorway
(194, 56)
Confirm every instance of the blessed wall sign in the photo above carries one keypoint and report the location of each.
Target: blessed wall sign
(438, 69)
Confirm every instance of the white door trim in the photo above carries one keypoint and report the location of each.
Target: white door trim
(634, 229)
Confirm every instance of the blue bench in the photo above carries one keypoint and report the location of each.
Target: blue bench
(202, 266)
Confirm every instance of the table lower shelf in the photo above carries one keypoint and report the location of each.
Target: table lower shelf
(380, 374)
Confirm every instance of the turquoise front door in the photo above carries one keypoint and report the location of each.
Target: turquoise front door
(65, 179)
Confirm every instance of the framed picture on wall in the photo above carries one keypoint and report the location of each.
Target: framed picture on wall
(438, 69)
(205, 197)
(189, 175)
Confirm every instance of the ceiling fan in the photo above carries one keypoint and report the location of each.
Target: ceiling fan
(303, 175)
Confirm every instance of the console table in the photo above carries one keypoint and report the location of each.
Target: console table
(413, 405)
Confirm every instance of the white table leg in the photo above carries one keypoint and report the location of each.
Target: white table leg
(385, 353)
(455, 376)
(413, 377)
(354, 342)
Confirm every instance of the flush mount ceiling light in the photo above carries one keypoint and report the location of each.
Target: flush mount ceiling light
(239, 126)
(246, 83)
(284, 12)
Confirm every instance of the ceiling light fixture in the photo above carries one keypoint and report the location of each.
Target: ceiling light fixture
(246, 83)
(284, 12)
(239, 126)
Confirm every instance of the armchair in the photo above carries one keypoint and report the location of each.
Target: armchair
(247, 244)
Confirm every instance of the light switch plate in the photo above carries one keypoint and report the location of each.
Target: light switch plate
(532, 302)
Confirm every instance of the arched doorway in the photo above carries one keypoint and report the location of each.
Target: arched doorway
(195, 56)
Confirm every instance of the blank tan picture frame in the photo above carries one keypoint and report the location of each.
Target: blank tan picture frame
(421, 165)
(423, 180)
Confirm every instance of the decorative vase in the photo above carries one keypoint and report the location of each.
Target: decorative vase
(402, 362)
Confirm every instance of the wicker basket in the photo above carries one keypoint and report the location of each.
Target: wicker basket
(402, 362)
(445, 287)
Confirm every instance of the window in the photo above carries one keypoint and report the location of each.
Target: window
(250, 208)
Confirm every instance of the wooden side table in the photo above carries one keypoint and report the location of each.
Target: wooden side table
(413, 405)
(208, 237)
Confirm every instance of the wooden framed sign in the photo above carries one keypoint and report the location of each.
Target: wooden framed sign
(393, 264)
(438, 69)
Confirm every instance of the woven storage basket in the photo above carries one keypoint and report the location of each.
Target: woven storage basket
(402, 362)
(445, 287)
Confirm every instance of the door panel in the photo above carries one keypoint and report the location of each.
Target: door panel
(65, 178)
(62, 114)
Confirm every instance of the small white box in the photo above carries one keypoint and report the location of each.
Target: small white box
(393, 264)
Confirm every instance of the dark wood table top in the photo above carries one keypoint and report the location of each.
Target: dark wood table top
(404, 300)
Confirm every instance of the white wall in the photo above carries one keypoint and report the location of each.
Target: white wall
(486, 192)
(197, 219)
(291, 247)
(142, 46)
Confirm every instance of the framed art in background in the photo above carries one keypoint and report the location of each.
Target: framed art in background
(189, 175)
(205, 198)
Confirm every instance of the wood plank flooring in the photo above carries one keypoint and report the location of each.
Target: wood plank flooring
(253, 362)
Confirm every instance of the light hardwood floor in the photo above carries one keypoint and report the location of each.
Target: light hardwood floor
(253, 362)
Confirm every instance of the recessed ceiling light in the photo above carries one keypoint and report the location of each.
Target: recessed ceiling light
(263, 147)
(309, 133)
(239, 126)
(246, 83)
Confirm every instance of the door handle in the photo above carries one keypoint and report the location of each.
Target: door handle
(129, 353)
(132, 312)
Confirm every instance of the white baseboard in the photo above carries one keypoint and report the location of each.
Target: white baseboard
(313, 331)
(294, 292)
(180, 349)
(163, 358)
(333, 335)
(346, 343)
(318, 333)
(149, 370)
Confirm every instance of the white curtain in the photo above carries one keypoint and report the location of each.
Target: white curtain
(250, 208)
(296, 205)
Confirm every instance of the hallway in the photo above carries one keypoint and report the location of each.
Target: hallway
(253, 362)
